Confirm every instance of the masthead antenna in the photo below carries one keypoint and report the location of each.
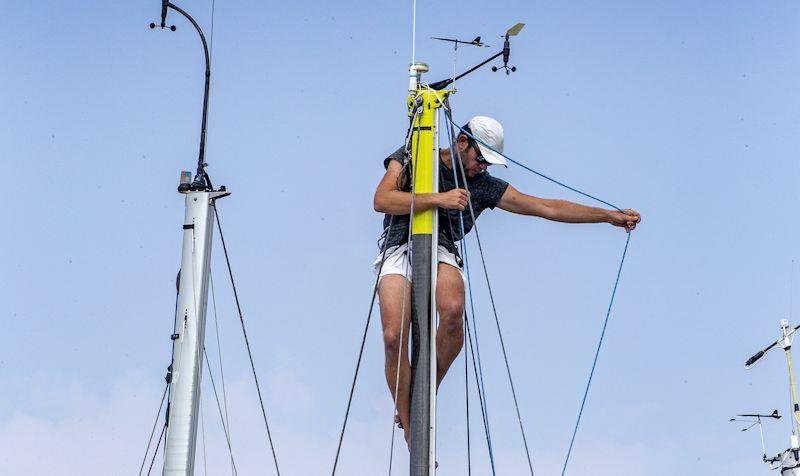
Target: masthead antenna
(201, 179)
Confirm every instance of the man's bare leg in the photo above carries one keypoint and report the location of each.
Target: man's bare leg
(450, 304)
(390, 292)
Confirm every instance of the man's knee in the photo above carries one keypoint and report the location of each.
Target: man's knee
(451, 325)
(391, 341)
(451, 309)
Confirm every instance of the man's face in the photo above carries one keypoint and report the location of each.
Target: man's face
(472, 159)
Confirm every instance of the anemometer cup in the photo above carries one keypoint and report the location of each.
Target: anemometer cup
(171, 27)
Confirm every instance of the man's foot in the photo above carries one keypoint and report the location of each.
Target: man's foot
(398, 422)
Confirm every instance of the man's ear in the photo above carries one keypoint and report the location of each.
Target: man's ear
(463, 143)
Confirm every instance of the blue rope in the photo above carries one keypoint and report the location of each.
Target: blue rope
(613, 292)
(596, 355)
(481, 386)
(466, 133)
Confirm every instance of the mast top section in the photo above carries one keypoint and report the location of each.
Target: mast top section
(505, 53)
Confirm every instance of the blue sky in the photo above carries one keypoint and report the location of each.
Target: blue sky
(685, 111)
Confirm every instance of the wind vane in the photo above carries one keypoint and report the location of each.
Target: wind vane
(505, 53)
(475, 42)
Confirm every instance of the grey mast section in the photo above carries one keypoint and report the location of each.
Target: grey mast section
(421, 355)
(190, 320)
(424, 266)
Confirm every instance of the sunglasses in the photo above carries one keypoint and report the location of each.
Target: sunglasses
(479, 158)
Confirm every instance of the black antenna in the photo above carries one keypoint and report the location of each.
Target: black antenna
(505, 53)
(201, 179)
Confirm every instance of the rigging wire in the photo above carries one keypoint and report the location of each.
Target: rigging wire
(361, 352)
(227, 419)
(163, 398)
(153, 431)
(369, 318)
(464, 316)
(203, 436)
(791, 291)
(466, 400)
(409, 251)
(481, 401)
(479, 369)
(211, 34)
(219, 408)
(246, 341)
(155, 453)
(414, 33)
(502, 342)
(613, 293)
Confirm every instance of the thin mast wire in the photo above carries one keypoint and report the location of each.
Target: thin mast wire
(219, 409)
(400, 346)
(481, 397)
(247, 341)
(502, 343)
(227, 419)
(466, 400)
(455, 153)
(203, 437)
(153, 431)
(361, 351)
(455, 64)
(494, 310)
(155, 453)
(200, 348)
(464, 314)
(414, 33)
(405, 287)
(387, 231)
(211, 34)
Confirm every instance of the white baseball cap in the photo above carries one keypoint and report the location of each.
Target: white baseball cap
(488, 132)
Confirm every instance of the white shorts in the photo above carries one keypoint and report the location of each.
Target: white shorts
(397, 261)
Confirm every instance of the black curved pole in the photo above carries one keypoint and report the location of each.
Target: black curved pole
(201, 180)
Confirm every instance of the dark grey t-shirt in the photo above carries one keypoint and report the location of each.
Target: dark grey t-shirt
(485, 192)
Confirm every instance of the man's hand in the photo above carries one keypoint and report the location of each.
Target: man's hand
(627, 219)
(455, 199)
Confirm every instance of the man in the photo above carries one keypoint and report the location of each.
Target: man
(393, 198)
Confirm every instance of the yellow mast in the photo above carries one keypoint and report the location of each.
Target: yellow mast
(424, 104)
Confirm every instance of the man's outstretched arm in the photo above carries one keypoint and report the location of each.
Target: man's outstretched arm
(564, 211)
(388, 199)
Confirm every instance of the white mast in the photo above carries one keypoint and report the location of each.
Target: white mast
(190, 320)
(186, 370)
